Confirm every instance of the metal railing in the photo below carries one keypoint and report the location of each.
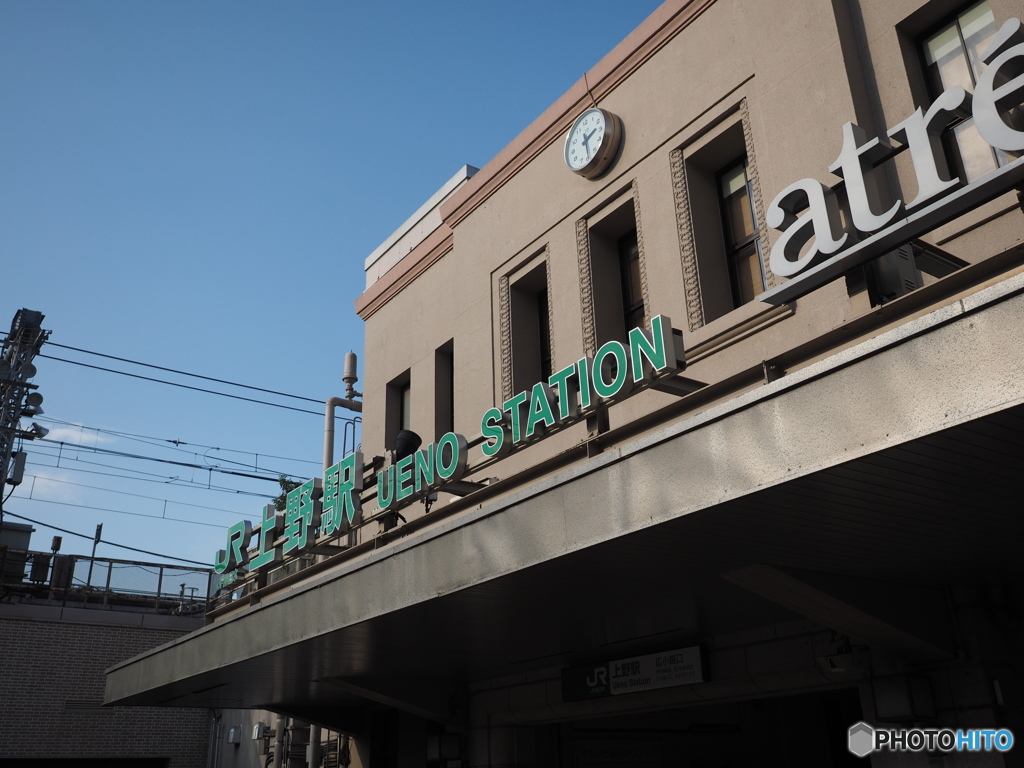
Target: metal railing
(104, 582)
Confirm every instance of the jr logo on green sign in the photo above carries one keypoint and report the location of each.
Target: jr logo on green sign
(337, 509)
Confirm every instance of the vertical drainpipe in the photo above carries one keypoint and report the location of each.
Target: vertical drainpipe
(329, 407)
(313, 748)
(213, 752)
(279, 727)
(350, 378)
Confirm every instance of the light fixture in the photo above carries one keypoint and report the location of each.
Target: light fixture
(38, 431)
(407, 443)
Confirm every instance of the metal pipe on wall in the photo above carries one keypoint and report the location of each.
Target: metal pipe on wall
(313, 748)
(279, 727)
(329, 407)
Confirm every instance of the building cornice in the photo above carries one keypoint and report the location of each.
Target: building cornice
(414, 264)
(646, 40)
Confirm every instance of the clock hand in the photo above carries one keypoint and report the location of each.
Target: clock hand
(586, 142)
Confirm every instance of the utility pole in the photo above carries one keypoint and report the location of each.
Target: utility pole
(17, 395)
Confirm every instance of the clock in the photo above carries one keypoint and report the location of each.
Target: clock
(592, 142)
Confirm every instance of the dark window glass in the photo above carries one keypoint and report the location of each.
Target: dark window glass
(531, 329)
(544, 328)
(444, 389)
(742, 244)
(405, 407)
(629, 275)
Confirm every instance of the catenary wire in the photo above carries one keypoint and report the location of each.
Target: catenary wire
(120, 512)
(175, 370)
(109, 543)
(160, 440)
(184, 373)
(215, 467)
(183, 386)
(126, 455)
(43, 478)
(165, 479)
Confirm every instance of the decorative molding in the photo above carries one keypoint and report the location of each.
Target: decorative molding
(505, 329)
(755, 184)
(756, 323)
(551, 307)
(640, 252)
(687, 249)
(586, 286)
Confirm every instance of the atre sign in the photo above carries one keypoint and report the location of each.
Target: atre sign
(815, 248)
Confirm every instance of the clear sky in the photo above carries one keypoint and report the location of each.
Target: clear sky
(196, 185)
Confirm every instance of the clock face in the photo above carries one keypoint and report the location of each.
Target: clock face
(592, 142)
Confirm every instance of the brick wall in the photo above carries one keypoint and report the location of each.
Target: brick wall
(51, 685)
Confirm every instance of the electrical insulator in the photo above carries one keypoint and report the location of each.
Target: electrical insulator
(17, 473)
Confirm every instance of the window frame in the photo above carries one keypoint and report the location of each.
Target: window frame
(708, 148)
(397, 407)
(526, 324)
(598, 236)
(733, 248)
(933, 87)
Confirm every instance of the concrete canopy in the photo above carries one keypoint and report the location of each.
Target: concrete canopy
(894, 461)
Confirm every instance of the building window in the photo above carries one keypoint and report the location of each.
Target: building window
(742, 242)
(952, 56)
(629, 276)
(398, 408)
(405, 408)
(614, 279)
(530, 327)
(717, 217)
(444, 389)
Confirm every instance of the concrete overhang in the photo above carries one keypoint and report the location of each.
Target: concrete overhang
(893, 461)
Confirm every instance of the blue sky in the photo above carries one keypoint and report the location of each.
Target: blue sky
(196, 185)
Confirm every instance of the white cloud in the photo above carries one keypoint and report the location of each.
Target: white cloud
(51, 484)
(79, 436)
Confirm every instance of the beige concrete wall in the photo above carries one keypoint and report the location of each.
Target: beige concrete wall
(795, 72)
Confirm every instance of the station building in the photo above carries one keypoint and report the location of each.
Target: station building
(692, 423)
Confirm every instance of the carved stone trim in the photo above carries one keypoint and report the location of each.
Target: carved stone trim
(586, 286)
(505, 326)
(551, 308)
(687, 249)
(640, 253)
(755, 184)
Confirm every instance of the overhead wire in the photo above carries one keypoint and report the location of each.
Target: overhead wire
(173, 370)
(183, 386)
(165, 479)
(125, 454)
(143, 439)
(98, 449)
(119, 512)
(43, 478)
(183, 373)
(158, 441)
(109, 543)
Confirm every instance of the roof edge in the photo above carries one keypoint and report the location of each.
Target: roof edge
(643, 42)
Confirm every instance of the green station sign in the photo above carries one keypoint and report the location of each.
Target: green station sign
(332, 505)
